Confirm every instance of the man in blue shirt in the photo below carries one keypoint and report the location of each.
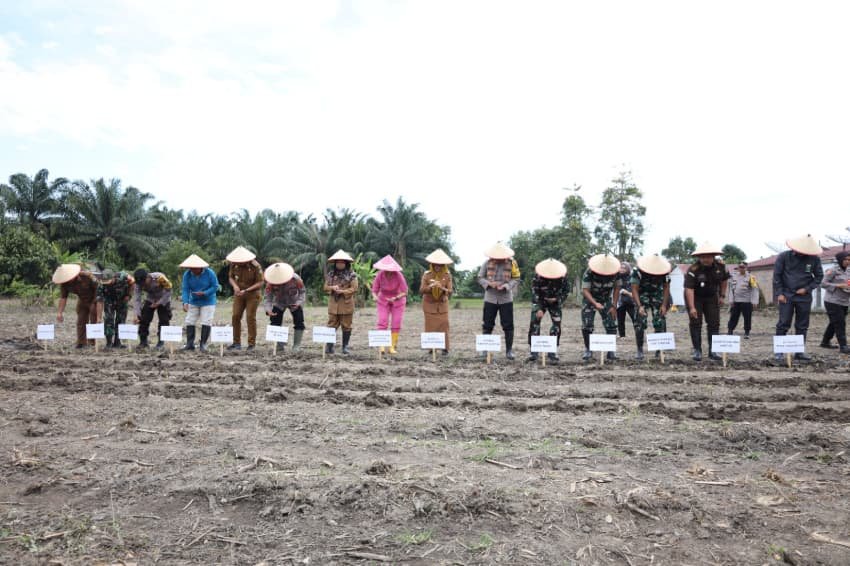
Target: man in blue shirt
(199, 297)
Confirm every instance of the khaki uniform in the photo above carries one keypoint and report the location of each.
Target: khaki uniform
(85, 287)
(436, 310)
(341, 304)
(246, 275)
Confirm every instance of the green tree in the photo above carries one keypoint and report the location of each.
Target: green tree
(733, 254)
(258, 235)
(576, 240)
(532, 247)
(313, 242)
(404, 232)
(679, 249)
(620, 226)
(32, 200)
(114, 224)
(24, 257)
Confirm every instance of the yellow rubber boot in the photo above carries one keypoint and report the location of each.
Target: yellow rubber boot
(394, 343)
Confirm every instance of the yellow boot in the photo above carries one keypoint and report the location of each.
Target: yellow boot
(394, 343)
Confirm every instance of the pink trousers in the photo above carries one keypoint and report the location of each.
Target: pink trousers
(394, 310)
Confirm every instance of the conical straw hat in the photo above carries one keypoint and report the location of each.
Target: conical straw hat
(550, 269)
(499, 251)
(654, 265)
(439, 257)
(240, 255)
(604, 264)
(707, 248)
(387, 263)
(193, 262)
(66, 272)
(805, 245)
(340, 256)
(279, 273)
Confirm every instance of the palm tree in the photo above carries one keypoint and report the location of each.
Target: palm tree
(258, 235)
(32, 200)
(112, 222)
(405, 232)
(314, 243)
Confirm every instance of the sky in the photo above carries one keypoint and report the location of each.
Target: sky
(731, 116)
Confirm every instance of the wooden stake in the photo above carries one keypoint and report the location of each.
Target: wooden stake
(95, 346)
(489, 357)
(380, 356)
(274, 348)
(543, 358)
(433, 354)
(171, 349)
(324, 349)
(601, 359)
(724, 358)
(221, 350)
(661, 355)
(788, 359)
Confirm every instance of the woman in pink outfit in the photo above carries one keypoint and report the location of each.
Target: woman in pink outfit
(389, 289)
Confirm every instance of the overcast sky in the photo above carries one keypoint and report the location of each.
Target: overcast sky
(732, 116)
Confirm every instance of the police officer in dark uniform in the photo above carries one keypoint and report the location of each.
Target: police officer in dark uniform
(796, 273)
(705, 287)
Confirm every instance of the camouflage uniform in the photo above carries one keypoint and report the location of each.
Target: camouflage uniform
(601, 289)
(115, 298)
(651, 296)
(542, 289)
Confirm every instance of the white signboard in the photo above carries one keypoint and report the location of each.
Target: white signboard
(128, 332)
(221, 334)
(547, 344)
(789, 344)
(488, 342)
(724, 344)
(378, 338)
(433, 340)
(603, 342)
(324, 334)
(171, 333)
(45, 332)
(95, 331)
(660, 341)
(277, 333)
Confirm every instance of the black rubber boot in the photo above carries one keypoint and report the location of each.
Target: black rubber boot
(533, 356)
(585, 334)
(639, 339)
(190, 339)
(509, 344)
(143, 342)
(346, 336)
(329, 348)
(205, 335)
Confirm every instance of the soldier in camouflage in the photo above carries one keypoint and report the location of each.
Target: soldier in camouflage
(549, 290)
(600, 288)
(113, 296)
(651, 291)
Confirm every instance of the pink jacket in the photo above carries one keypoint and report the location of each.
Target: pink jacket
(386, 288)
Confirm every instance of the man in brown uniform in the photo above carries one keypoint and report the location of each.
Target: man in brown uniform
(705, 289)
(436, 288)
(72, 279)
(246, 279)
(341, 285)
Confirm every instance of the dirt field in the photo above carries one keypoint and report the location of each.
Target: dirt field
(122, 458)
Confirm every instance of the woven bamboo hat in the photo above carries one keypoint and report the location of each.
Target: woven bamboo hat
(439, 257)
(604, 264)
(194, 262)
(279, 273)
(340, 256)
(654, 265)
(707, 248)
(550, 269)
(805, 245)
(66, 272)
(240, 255)
(387, 263)
(499, 251)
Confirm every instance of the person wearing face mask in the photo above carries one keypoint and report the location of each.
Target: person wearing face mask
(341, 286)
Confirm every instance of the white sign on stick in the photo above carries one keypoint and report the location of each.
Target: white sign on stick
(792, 344)
(45, 332)
(603, 342)
(220, 334)
(324, 334)
(433, 340)
(277, 333)
(660, 341)
(128, 332)
(488, 342)
(725, 344)
(548, 344)
(95, 331)
(171, 333)
(380, 338)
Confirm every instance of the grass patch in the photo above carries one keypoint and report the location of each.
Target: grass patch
(411, 538)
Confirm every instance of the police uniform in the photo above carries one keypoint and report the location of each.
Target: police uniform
(707, 283)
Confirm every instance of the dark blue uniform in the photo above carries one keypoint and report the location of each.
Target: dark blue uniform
(791, 272)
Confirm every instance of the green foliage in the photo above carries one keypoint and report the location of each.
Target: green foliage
(533, 247)
(679, 250)
(620, 226)
(733, 254)
(25, 257)
(170, 260)
(365, 276)
(466, 284)
(32, 201)
(410, 538)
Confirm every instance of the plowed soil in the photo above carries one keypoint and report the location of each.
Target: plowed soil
(120, 457)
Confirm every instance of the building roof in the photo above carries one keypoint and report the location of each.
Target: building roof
(767, 262)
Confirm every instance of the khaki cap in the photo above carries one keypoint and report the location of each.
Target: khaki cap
(387, 263)
(439, 257)
(194, 262)
(654, 265)
(279, 273)
(707, 248)
(499, 251)
(66, 272)
(550, 269)
(340, 256)
(805, 245)
(604, 264)
(240, 255)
